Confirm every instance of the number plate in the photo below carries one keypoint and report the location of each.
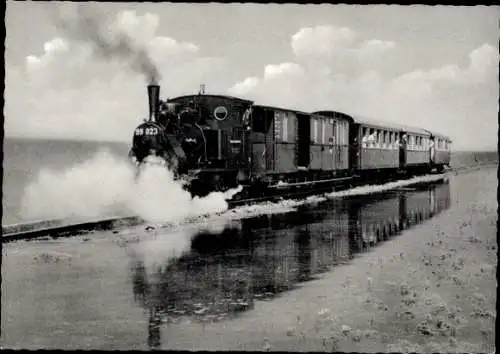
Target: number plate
(146, 131)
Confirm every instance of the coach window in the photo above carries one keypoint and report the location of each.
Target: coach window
(323, 131)
(371, 137)
(334, 132)
(339, 133)
(285, 129)
(364, 137)
(315, 131)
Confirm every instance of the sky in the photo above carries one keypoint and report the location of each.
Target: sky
(434, 67)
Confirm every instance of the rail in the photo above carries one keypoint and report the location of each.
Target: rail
(59, 228)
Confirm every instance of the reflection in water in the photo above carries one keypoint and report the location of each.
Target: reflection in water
(223, 274)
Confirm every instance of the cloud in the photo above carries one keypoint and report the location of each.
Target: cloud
(244, 86)
(76, 89)
(334, 68)
(321, 41)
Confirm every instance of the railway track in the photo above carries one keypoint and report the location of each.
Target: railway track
(58, 228)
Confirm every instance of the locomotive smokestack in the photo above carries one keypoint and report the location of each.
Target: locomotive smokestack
(154, 100)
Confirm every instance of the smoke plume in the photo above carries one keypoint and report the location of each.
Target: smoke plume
(106, 186)
(87, 25)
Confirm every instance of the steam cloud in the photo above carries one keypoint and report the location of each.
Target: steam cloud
(107, 186)
(89, 26)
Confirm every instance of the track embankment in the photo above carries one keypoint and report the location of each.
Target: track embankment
(62, 228)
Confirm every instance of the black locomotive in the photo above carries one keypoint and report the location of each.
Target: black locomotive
(219, 142)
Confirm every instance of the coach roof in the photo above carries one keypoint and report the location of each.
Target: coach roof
(438, 135)
(388, 125)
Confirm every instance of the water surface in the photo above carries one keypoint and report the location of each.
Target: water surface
(112, 291)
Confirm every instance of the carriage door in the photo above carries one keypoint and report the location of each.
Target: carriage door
(354, 144)
(303, 140)
(432, 149)
(269, 149)
(402, 151)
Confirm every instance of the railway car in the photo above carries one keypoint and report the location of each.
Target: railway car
(440, 151)
(217, 142)
(417, 153)
(381, 149)
(378, 149)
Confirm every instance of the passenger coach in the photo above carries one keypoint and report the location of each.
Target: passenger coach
(286, 142)
(440, 151)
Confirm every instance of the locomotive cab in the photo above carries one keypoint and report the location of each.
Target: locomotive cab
(219, 122)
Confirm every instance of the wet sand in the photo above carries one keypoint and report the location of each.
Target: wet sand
(432, 289)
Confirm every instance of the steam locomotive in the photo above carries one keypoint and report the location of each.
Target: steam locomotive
(217, 142)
